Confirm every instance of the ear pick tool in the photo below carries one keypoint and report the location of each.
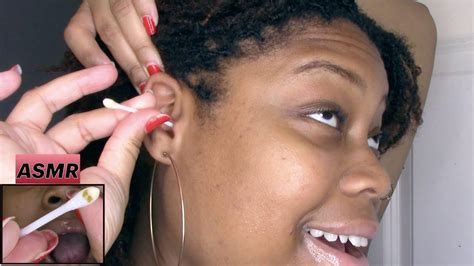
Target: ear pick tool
(83, 198)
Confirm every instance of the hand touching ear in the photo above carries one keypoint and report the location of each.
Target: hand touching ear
(24, 131)
(125, 26)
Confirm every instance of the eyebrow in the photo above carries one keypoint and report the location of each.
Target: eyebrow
(348, 75)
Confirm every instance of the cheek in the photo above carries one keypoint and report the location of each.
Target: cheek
(257, 187)
(293, 177)
(24, 206)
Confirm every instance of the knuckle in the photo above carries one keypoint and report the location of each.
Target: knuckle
(84, 132)
(121, 8)
(69, 32)
(143, 49)
(108, 33)
(136, 73)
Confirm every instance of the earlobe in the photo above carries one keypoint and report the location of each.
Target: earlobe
(168, 94)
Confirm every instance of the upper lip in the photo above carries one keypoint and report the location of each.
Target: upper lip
(65, 226)
(363, 228)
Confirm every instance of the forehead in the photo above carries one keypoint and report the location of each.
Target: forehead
(340, 43)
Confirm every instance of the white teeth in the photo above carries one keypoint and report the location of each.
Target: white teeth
(343, 238)
(356, 241)
(316, 232)
(330, 237)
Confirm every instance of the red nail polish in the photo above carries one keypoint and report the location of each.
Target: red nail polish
(52, 239)
(141, 87)
(156, 122)
(153, 69)
(149, 25)
(78, 215)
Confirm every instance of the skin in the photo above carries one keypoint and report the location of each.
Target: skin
(417, 25)
(24, 131)
(28, 203)
(284, 170)
(419, 28)
(118, 23)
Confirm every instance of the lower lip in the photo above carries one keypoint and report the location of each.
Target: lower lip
(323, 253)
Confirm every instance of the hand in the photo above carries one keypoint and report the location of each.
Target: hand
(121, 26)
(30, 248)
(24, 132)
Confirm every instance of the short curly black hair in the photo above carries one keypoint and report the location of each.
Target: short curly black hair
(203, 36)
(200, 36)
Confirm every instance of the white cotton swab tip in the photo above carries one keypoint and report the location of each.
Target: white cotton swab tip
(83, 198)
(111, 104)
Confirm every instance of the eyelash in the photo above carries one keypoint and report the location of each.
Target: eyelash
(337, 112)
(341, 118)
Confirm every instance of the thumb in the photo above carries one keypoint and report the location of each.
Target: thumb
(10, 235)
(30, 248)
(114, 170)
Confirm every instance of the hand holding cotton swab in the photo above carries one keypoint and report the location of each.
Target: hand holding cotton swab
(83, 198)
(111, 104)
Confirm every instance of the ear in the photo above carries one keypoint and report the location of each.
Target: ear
(173, 99)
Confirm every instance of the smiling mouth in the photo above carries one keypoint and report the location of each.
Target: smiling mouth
(349, 244)
(335, 249)
(73, 246)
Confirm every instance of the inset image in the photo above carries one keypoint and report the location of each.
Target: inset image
(52, 224)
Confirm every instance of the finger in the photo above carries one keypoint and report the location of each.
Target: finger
(80, 38)
(10, 81)
(75, 132)
(10, 235)
(146, 8)
(121, 150)
(113, 37)
(137, 32)
(37, 106)
(93, 218)
(115, 169)
(33, 247)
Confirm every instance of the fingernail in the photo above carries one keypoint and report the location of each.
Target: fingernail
(52, 239)
(78, 215)
(153, 68)
(155, 122)
(149, 25)
(141, 87)
(6, 220)
(17, 69)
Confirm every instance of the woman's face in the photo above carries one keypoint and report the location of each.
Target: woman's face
(276, 161)
(29, 203)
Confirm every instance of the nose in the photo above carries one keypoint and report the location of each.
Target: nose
(364, 175)
(55, 196)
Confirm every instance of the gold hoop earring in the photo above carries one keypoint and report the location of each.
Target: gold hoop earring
(183, 219)
(390, 193)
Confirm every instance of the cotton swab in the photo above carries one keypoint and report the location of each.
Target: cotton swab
(83, 198)
(111, 104)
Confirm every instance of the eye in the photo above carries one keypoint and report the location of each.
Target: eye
(374, 141)
(328, 117)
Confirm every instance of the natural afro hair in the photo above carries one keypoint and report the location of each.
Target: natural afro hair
(200, 36)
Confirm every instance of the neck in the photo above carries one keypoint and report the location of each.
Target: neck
(141, 252)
